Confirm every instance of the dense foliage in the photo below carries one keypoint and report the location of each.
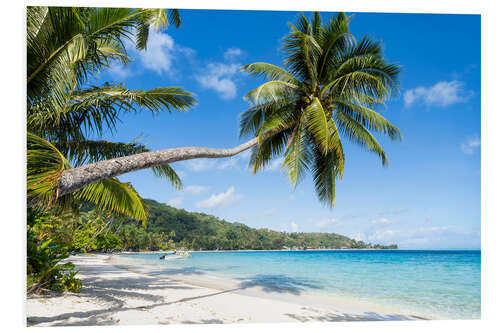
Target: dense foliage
(46, 249)
(202, 231)
(67, 114)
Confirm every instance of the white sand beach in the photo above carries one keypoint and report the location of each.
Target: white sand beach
(114, 294)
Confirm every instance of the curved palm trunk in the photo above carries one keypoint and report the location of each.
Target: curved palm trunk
(77, 178)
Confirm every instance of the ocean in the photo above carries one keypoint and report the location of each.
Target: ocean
(437, 283)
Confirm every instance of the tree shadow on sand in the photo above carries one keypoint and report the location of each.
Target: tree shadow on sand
(113, 291)
(278, 283)
(333, 317)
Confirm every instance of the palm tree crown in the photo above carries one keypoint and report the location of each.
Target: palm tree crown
(66, 47)
(327, 89)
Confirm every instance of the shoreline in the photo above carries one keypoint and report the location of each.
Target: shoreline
(216, 251)
(113, 295)
(261, 289)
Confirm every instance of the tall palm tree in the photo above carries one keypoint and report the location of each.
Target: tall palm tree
(66, 47)
(328, 89)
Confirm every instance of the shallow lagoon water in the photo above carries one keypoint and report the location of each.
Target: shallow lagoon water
(440, 283)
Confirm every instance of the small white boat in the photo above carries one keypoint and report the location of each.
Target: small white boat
(175, 255)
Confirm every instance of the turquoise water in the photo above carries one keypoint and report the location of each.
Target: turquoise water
(442, 283)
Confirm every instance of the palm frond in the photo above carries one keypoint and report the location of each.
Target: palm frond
(271, 72)
(297, 157)
(335, 146)
(324, 174)
(271, 91)
(44, 167)
(252, 119)
(368, 118)
(167, 172)
(157, 18)
(174, 17)
(357, 133)
(97, 109)
(317, 123)
(267, 150)
(335, 40)
(302, 53)
(115, 196)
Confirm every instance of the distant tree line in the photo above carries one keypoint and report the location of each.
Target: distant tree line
(169, 227)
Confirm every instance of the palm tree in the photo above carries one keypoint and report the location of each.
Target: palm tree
(328, 88)
(65, 48)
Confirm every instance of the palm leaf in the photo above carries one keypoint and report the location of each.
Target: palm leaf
(267, 150)
(317, 123)
(115, 196)
(270, 91)
(44, 167)
(167, 172)
(271, 72)
(297, 157)
(357, 133)
(369, 118)
(323, 170)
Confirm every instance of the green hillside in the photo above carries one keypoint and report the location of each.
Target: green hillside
(202, 231)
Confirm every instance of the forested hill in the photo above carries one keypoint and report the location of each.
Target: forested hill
(202, 231)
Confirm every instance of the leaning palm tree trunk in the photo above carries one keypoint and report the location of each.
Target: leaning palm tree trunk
(74, 179)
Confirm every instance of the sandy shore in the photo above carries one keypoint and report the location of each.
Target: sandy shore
(114, 294)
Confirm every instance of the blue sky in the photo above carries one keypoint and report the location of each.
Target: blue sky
(429, 196)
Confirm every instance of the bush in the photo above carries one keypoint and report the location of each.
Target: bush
(44, 256)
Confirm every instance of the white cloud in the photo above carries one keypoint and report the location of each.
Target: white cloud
(229, 163)
(326, 222)
(221, 199)
(419, 237)
(220, 77)
(294, 226)
(470, 146)
(444, 93)
(269, 212)
(158, 55)
(233, 53)
(245, 155)
(195, 189)
(358, 236)
(175, 202)
(381, 220)
(200, 164)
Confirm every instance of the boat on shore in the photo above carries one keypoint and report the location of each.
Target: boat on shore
(174, 255)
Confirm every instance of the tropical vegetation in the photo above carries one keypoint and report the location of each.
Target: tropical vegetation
(66, 48)
(66, 116)
(170, 228)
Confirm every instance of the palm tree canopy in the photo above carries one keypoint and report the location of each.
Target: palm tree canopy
(327, 90)
(66, 47)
